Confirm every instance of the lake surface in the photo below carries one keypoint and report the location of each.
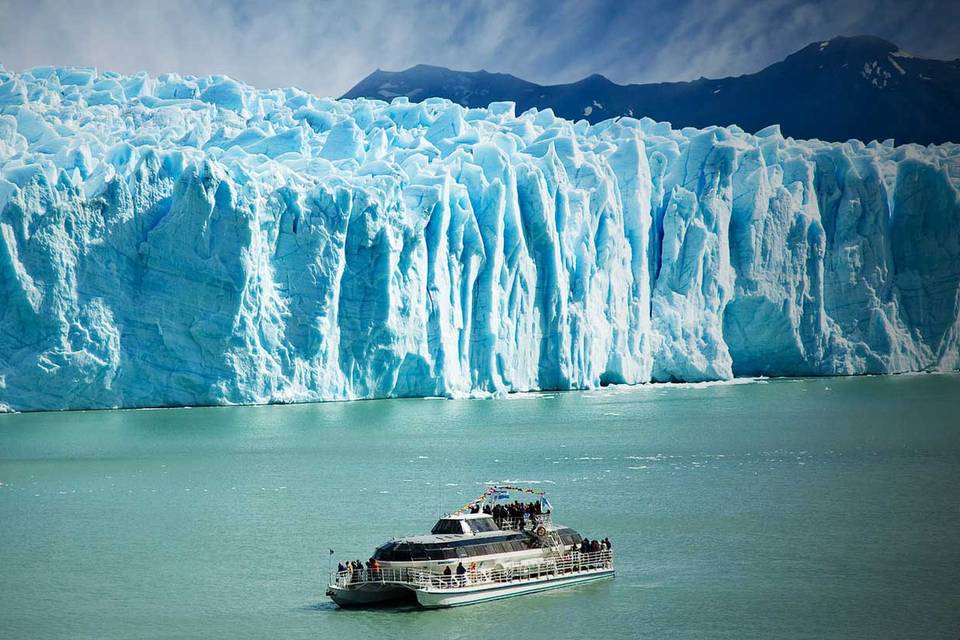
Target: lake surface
(823, 508)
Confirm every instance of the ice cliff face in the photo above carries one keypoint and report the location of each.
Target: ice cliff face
(180, 240)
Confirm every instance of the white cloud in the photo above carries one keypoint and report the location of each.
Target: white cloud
(328, 47)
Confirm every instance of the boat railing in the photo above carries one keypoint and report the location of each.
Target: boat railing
(555, 566)
(528, 522)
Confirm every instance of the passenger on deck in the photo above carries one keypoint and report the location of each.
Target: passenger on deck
(515, 514)
(340, 567)
(447, 576)
(581, 549)
(357, 571)
(461, 573)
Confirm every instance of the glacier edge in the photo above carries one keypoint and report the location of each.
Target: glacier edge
(192, 241)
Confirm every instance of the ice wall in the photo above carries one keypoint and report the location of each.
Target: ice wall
(181, 240)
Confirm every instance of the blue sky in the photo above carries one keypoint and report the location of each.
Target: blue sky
(326, 47)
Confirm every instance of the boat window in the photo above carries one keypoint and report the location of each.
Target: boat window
(439, 552)
(482, 524)
(447, 526)
(384, 552)
(401, 553)
(418, 552)
(569, 536)
(519, 538)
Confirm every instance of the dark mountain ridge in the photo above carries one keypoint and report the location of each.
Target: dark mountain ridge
(859, 87)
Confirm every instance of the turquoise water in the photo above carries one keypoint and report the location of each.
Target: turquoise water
(792, 509)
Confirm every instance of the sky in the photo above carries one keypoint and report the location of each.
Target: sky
(327, 47)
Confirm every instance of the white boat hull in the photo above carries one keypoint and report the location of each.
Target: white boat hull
(431, 598)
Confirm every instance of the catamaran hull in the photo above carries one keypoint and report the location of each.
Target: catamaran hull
(438, 598)
(369, 595)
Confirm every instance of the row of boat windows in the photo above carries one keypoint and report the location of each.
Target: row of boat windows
(406, 552)
(476, 525)
(465, 551)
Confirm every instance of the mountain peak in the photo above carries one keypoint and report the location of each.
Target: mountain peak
(859, 47)
(865, 42)
(846, 87)
(596, 80)
(429, 67)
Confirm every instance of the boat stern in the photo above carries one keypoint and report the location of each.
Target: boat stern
(368, 594)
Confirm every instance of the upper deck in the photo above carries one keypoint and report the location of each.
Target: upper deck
(473, 523)
(460, 536)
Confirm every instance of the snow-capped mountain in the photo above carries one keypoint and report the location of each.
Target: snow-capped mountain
(862, 88)
(184, 241)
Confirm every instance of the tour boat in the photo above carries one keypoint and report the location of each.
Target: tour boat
(472, 556)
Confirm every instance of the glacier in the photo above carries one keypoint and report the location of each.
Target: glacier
(181, 240)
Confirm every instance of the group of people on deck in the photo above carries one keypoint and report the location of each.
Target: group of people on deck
(512, 514)
(589, 554)
(461, 572)
(593, 546)
(354, 569)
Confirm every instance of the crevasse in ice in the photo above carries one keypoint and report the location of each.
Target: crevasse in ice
(182, 240)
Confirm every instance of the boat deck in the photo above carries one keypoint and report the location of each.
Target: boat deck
(434, 589)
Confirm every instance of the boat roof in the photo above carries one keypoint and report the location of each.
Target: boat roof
(459, 515)
(440, 538)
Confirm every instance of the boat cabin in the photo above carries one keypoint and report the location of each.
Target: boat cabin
(458, 523)
(464, 535)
